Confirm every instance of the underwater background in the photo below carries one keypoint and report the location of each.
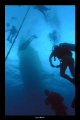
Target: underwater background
(28, 73)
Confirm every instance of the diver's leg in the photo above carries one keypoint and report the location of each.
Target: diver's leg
(9, 37)
(45, 8)
(43, 13)
(72, 69)
(63, 68)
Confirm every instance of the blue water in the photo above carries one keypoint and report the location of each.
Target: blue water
(28, 73)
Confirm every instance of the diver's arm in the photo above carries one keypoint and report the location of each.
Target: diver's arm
(50, 60)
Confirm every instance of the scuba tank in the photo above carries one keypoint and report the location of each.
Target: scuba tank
(68, 46)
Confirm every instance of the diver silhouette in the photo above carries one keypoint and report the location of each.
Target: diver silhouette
(25, 44)
(64, 54)
(56, 102)
(13, 31)
(41, 8)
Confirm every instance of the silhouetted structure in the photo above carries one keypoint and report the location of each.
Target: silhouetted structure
(55, 100)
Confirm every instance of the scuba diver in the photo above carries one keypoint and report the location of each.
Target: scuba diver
(56, 102)
(25, 44)
(13, 31)
(41, 8)
(64, 54)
